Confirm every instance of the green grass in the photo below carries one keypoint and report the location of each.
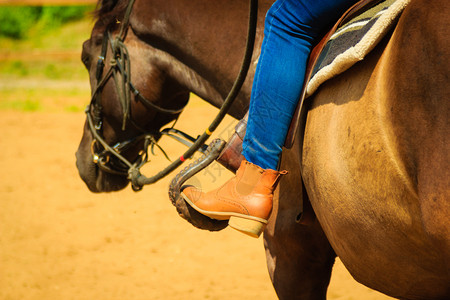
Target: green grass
(47, 99)
(19, 22)
(43, 72)
(53, 55)
(38, 69)
(24, 105)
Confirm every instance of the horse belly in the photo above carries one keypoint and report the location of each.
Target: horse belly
(362, 193)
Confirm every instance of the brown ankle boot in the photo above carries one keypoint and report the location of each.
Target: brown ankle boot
(246, 199)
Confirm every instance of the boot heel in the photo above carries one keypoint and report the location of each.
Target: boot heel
(250, 227)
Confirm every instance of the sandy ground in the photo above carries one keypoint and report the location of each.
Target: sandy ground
(59, 241)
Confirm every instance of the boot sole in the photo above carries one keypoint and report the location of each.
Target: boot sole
(252, 226)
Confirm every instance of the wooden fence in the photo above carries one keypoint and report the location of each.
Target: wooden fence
(46, 2)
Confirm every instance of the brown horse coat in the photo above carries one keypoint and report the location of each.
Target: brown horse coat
(375, 156)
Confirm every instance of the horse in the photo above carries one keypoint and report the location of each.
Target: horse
(373, 156)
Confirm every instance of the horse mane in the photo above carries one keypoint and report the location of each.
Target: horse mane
(108, 12)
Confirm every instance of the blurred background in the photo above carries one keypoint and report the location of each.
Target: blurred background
(40, 46)
(58, 240)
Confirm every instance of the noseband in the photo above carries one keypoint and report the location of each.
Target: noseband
(120, 65)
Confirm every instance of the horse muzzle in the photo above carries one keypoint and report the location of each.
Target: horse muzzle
(89, 168)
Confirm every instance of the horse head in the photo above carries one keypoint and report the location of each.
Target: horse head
(136, 89)
(131, 100)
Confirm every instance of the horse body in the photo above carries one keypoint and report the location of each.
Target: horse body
(374, 156)
(376, 161)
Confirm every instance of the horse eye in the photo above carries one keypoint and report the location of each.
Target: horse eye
(85, 60)
(85, 57)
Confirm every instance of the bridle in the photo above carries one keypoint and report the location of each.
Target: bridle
(120, 65)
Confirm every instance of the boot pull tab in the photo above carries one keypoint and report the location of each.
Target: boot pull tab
(277, 179)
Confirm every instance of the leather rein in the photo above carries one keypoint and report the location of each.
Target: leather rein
(120, 65)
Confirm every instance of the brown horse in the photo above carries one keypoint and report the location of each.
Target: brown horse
(374, 157)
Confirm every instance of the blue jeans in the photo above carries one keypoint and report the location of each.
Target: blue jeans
(292, 28)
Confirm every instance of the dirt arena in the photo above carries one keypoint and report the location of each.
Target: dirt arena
(59, 241)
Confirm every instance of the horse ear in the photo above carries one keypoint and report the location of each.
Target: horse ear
(105, 6)
(108, 11)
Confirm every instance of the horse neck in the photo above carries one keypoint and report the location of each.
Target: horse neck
(200, 44)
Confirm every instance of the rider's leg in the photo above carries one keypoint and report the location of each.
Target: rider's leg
(291, 29)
